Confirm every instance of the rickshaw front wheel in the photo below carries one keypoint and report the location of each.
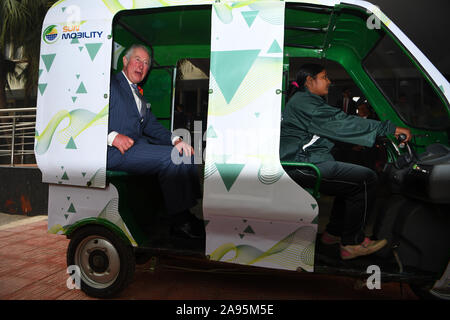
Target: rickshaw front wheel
(106, 263)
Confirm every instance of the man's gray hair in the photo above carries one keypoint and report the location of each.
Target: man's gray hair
(135, 46)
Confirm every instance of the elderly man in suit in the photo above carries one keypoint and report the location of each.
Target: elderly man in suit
(139, 144)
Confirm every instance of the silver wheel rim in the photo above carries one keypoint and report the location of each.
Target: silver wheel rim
(98, 260)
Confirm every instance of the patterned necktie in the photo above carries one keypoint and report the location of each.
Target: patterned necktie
(141, 107)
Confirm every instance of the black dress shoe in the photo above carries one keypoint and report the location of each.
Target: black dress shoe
(188, 226)
(187, 230)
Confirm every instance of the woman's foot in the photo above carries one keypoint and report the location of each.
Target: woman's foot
(329, 239)
(365, 248)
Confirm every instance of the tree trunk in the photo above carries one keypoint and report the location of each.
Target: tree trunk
(2, 84)
(3, 141)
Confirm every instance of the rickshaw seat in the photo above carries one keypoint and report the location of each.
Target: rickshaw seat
(113, 174)
(313, 191)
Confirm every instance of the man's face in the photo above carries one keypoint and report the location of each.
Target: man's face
(136, 68)
(363, 110)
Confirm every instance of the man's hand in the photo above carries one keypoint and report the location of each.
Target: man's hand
(184, 148)
(123, 143)
(405, 131)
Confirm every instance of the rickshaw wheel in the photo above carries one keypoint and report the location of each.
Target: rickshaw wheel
(106, 263)
(425, 292)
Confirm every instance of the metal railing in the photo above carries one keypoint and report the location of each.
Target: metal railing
(17, 132)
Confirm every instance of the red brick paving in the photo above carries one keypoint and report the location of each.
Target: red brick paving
(33, 266)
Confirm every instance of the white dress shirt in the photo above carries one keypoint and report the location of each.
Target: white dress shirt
(112, 135)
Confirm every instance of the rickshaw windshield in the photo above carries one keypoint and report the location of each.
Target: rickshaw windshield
(405, 87)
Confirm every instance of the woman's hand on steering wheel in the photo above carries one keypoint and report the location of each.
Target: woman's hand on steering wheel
(403, 131)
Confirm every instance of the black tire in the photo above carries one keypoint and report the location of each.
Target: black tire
(105, 261)
(423, 291)
(142, 257)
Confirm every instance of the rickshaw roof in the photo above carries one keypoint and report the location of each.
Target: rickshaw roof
(308, 28)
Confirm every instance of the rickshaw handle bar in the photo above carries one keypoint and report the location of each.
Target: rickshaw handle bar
(310, 165)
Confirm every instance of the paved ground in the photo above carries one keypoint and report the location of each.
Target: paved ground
(33, 266)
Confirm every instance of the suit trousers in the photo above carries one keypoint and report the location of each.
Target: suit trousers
(179, 182)
(354, 188)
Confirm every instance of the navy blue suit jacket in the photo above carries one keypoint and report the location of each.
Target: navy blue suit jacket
(125, 119)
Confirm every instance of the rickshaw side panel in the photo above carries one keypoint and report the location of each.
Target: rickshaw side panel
(73, 95)
(254, 211)
(69, 205)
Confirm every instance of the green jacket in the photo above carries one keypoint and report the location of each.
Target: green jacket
(308, 123)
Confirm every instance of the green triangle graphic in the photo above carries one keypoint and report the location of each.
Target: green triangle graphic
(66, 216)
(74, 41)
(442, 88)
(257, 114)
(249, 230)
(42, 87)
(74, 99)
(229, 173)
(275, 47)
(71, 208)
(313, 205)
(83, 174)
(71, 144)
(211, 133)
(249, 17)
(78, 76)
(63, 9)
(81, 88)
(315, 220)
(241, 235)
(36, 133)
(80, 48)
(48, 60)
(92, 49)
(68, 198)
(229, 68)
(40, 72)
(64, 176)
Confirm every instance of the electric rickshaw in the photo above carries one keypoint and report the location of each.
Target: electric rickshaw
(254, 214)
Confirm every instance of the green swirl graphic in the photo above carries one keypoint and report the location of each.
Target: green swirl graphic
(115, 5)
(111, 213)
(210, 169)
(266, 12)
(269, 173)
(79, 120)
(55, 229)
(98, 179)
(296, 250)
(224, 13)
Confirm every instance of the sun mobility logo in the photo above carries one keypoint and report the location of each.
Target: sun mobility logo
(69, 32)
(73, 32)
(50, 34)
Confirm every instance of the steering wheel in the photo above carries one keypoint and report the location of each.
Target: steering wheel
(404, 159)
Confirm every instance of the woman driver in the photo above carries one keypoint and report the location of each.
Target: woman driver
(307, 125)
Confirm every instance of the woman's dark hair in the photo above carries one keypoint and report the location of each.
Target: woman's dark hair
(309, 69)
